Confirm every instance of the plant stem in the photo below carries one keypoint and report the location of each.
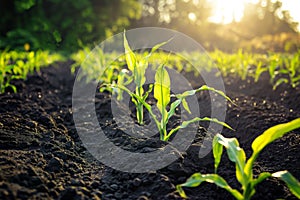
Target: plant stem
(247, 192)
(139, 113)
(163, 134)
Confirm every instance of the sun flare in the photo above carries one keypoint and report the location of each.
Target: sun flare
(226, 11)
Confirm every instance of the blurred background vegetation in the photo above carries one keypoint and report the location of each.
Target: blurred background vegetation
(69, 25)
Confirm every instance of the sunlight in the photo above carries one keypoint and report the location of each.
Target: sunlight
(293, 7)
(192, 17)
(227, 11)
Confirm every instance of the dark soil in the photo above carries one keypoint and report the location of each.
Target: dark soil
(42, 157)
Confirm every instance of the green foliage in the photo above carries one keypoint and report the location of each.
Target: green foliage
(62, 25)
(244, 169)
(17, 65)
(162, 95)
(97, 66)
(137, 67)
(283, 42)
(265, 26)
(138, 70)
(283, 68)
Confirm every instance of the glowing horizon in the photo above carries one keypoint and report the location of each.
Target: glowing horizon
(227, 11)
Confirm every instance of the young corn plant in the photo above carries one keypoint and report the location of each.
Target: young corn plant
(244, 169)
(293, 68)
(137, 67)
(162, 93)
(17, 65)
(259, 70)
(97, 66)
(8, 72)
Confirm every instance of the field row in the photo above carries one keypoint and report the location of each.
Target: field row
(283, 68)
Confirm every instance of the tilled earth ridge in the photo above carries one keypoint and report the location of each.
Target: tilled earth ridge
(42, 157)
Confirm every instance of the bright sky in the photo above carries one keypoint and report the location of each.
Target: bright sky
(294, 7)
(227, 10)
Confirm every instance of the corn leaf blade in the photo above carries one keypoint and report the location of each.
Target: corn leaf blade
(279, 82)
(217, 152)
(272, 134)
(158, 46)
(141, 70)
(235, 154)
(162, 90)
(266, 138)
(260, 178)
(173, 107)
(197, 178)
(138, 98)
(196, 119)
(186, 106)
(129, 55)
(205, 87)
(292, 183)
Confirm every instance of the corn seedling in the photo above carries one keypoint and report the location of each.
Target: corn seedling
(240, 64)
(137, 67)
(17, 65)
(162, 93)
(259, 70)
(97, 66)
(244, 169)
(8, 72)
(294, 71)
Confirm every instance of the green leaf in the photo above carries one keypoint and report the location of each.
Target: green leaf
(8, 68)
(217, 152)
(202, 88)
(14, 88)
(173, 107)
(272, 134)
(196, 119)
(158, 46)
(162, 90)
(57, 36)
(292, 183)
(236, 155)
(121, 81)
(197, 178)
(17, 69)
(31, 55)
(181, 191)
(267, 137)
(186, 106)
(137, 98)
(260, 178)
(20, 63)
(148, 92)
(186, 94)
(279, 82)
(205, 87)
(139, 74)
(129, 55)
